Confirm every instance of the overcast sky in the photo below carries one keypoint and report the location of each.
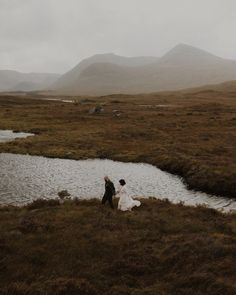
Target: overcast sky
(54, 35)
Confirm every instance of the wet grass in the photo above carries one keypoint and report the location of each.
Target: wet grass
(81, 247)
(194, 136)
(159, 248)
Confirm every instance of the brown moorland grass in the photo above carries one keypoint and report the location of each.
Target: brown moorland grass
(190, 134)
(83, 248)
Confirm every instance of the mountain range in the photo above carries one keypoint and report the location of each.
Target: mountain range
(17, 81)
(182, 67)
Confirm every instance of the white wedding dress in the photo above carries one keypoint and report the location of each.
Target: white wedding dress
(126, 202)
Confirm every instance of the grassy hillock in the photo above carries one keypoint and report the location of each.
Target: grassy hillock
(83, 248)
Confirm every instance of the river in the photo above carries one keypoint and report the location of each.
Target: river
(24, 178)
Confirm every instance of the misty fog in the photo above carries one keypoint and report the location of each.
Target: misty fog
(53, 36)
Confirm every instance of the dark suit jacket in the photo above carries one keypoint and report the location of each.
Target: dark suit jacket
(109, 189)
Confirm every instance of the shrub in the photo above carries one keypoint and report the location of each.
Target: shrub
(63, 194)
(41, 203)
(27, 225)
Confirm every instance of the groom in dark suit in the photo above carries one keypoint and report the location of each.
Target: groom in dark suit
(109, 192)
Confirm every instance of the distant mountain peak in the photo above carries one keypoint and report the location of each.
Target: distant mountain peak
(182, 46)
(184, 66)
(186, 47)
(105, 54)
(16, 81)
(187, 54)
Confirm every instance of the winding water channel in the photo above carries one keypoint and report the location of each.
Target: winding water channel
(24, 178)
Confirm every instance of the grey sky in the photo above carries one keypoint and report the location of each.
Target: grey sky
(54, 35)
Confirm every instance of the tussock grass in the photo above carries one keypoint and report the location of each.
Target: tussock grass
(81, 247)
(194, 137)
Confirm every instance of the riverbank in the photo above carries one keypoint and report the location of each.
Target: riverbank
(81, 247)
(192, 135)
(21, 183)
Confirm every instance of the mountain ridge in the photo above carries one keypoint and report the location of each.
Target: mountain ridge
(11, 80)
(184, 66)
(72, 75)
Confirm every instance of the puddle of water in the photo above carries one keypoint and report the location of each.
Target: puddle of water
(24, 178)
(9, 135)
(159, 106)
(167, 106)
(62, 100)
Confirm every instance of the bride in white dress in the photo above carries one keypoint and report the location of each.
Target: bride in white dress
(126, 203)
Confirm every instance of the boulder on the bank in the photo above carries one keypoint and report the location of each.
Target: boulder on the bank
(63, 194)
(96, 110)
(116, 113)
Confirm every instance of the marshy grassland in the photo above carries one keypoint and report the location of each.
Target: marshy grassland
(189, 134)
(83, 248)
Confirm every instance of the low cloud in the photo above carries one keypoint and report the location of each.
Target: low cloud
(54, 35)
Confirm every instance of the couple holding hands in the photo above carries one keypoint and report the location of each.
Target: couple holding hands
(126, 202)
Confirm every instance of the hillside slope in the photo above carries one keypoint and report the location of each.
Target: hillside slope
(182, 67)
(17, 81)
(69, 80)
(229, 86)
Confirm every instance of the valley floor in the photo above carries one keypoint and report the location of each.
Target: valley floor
(189, 134)
(82, 247)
